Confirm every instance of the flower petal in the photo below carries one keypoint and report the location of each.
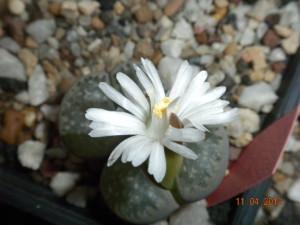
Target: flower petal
(133, 91)
(183, 78)
(114, 119)
(179, 149)
(185, 134)
(152, 73)
(146, 83)
(122, 101)
(214, 119)
(157, 162)
(123, 146)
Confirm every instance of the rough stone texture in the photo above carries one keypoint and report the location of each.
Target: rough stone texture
(258, 95)
(38, 87)
(204, 174)
(41, 30)
(31, 153)
(63, 182)
(130, 193)
(11, 67)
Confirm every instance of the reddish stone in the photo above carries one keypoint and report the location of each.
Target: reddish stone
(15, 28)
(202, 38)
(278, 67)
(271, 39)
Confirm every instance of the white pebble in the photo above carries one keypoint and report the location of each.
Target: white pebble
(276, 55)
(257, 96)
(63, 182)
(16, 7)
(31, 153)
(172, 47)
(294, 191)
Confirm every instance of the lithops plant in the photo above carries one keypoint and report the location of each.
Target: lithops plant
(187, 157)
(73, 126)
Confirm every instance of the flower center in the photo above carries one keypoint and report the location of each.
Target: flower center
(160, 108)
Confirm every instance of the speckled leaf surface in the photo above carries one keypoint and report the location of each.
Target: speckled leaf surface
(198, 178)
(133, 197)
(73, 125)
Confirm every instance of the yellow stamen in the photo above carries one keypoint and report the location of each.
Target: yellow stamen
(161, 107)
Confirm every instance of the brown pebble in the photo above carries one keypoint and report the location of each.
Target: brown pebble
(212, 38)
(272, 19)
(278, 67)
(143, 14)
(119, 8)
(55, 8)
(271, 39)
(144, 48)
(97, 23)
(231, 49)
(220, 13)
(28, 59)
(15, 28)
(202, 38)
(30, 43)
(173, 7)
(13, 125)
(157, 56)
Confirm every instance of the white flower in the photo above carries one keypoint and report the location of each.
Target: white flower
(147, 119)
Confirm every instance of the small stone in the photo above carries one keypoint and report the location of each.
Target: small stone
(119, 8)
(69, 8)
(250, 120)
(278, 67)
(78, 197)
(269, 76)
(257, 95)
(143, 14)
(50, 112)
(192, 214)
(231, 49)
(173, 6)
(216, 78)
(282, 182)
(271, 39)
(9, 44)
(293, 144)
(183, 30)
(22, 97)
(202, 38)
(167, 68)
(29, 60)
(41, 30)
(261, 9)
(55, 8)
(88, 7)
(283, 31)
(11, 67)
(256, 56)
(30, 43)
(291, 44)
(38, 87)
(41, 132)
(13, 124)
(287, 168)
(261, 30)
(276, 55)
(257, 75)
(234, 153)
(248, 37)
(144, 48)
(294, 192)
(207, 60)
(221, 3)
(97, 23)
(172, 47)
(31, 153)
(16, 7)
(94, 46)
(272, 19)
(63, 182)
(220, 13)
(129, 49)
